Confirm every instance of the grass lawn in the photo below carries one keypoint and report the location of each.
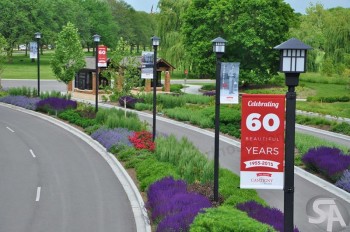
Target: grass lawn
(337, 109)
(22, 67)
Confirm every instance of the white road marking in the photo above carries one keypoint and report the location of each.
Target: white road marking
(38, 190)
(10, 129)
(31, 152)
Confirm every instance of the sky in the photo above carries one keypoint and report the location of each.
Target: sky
(298, 5)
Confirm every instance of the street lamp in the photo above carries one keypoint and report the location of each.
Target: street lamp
(219, 48)
(155, 42)
(292, 63)
(37, 36)
(96, 40)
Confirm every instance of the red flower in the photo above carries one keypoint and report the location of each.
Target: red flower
(142, 140)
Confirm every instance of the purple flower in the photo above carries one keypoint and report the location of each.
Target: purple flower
(21, 101)
(267, 215)
(130, 101)
(56, 104)
(344, 181)
(329, 161)
(176, 208)
(112, 137)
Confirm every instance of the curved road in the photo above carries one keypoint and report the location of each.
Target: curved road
(51, 180)
(306, 186)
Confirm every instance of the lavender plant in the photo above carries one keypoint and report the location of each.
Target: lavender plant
(331, 162)
(129, 100)
(112, 137)
(344, 181)
(21, 101)
(173, 206)
(55, 104)
(267, 215)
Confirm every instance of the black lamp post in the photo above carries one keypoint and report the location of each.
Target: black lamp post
(219, 49)
(155, 43)
(37, 36)
(292, 63)
(96, 40)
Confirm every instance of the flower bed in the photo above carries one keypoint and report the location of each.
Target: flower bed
(54, 104)
(267, 215)
(174, 207)
(330, 162)
(142, 140)
(21, 101)
(112, 137)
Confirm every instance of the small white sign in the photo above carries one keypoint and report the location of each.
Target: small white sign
(33, 48)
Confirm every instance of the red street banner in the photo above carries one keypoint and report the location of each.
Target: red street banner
(102, 56)
(262, 141)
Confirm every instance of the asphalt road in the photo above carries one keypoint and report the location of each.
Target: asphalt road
(45, 85)
(306, 186)
(51, 180)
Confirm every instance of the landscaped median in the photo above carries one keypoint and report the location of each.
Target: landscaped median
(167, 162)
(175, 176)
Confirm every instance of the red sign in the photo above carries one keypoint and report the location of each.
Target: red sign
(186, 72)
(102, 56)
(262, 141)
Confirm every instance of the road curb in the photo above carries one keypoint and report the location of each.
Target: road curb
(134, 196)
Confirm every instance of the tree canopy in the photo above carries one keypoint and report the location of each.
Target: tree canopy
(69, 57)
(328, 33)
(251, 27)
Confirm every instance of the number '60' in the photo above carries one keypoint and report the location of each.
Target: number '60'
(253, 122)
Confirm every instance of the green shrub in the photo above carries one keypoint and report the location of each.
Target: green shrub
(188, 160)
(22, 91)
(125, 154)
(328, 99)
(91, 129)
(150, 170)
(176, 88)
(143, 106)
(179, 114)
(202, 122)
(197, 99)
(170, 101)
(74, 117)
(3, 93)
(229, 189)
(114, 118)
(226, 219)
(343, 128)
(208, 87)
(304, 142)
(56, 94)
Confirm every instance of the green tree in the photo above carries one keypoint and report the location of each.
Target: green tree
(3, 46)
(69, 56)
(169, 30)
(123, 70)
(251, 27)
